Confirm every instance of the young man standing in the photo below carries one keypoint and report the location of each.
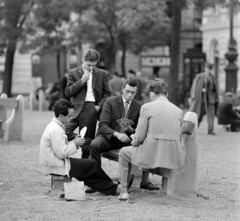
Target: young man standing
(55, 151)
(87, 86)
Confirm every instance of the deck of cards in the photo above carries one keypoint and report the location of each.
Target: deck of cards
(124, 123)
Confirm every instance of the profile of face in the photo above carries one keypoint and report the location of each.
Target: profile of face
(129, 92)
(89, 65)
(66, 119)
(207, 69)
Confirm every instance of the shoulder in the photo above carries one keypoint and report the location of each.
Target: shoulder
(113, 99)
(101, 71)
(136, 103)
(73, 70)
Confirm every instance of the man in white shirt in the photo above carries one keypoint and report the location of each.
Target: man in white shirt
(55, 152)
(87, 86)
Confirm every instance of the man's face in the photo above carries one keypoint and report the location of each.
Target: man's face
(66, 119)
(129, 92)
(207, 69)
(89, 65)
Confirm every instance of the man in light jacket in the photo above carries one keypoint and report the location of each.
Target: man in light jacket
(157, 140)
(55, 151)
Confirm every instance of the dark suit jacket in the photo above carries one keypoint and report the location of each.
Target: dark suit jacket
(113, 110)
(225, 113)
(76, 90)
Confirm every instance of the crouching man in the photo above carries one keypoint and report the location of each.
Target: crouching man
(55, 151)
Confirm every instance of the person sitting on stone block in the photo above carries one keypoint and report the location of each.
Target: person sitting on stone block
(157, 139)
(55, 152)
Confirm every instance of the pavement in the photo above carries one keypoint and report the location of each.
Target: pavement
(24, 188)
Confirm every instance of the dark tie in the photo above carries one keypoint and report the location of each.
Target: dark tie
(126, 108)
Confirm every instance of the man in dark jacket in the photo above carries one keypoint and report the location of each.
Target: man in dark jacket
(226, 114)
(87, 86)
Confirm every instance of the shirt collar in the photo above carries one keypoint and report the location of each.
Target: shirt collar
(125, 101)
(55, 120)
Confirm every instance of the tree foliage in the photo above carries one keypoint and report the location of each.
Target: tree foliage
(13, 15)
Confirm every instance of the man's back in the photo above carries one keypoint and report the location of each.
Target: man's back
(159, 130)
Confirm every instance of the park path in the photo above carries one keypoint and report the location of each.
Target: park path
(24, 187)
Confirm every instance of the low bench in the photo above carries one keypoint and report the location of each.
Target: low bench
(175, 181)
(57, 183)
(11, 128)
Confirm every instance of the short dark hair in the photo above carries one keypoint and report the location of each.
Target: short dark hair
(132, 72)
(91, 55)
(61, 106)
(157, 86)
(133, 82)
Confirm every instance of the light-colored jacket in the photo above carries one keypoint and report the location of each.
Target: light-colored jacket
(55, 149)
(158, 135)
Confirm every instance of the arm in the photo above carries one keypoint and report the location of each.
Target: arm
(73, 87)
(60, 145)
(142, 128)
(105, 90)
(105, 120)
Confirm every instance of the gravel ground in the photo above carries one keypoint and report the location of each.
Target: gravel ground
(24, 188)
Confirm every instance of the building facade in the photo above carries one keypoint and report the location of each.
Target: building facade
(216, 34)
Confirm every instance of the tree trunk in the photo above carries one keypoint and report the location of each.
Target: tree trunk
(8, 67)
(58, 55)
(123, 59)
(175, 48)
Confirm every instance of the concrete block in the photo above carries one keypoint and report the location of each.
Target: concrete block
(74, 191)
(186, 179)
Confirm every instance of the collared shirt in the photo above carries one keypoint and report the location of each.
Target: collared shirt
(89, 95)
(124, 101)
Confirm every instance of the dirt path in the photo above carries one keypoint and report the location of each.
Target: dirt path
(24, 187)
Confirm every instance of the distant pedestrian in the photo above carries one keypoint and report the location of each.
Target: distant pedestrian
(226, 113)
(204, 97)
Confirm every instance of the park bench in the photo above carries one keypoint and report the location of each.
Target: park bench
(11, 127)
(175, 181)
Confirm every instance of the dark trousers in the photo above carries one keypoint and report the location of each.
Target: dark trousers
(101, 144)
(88, 118)
(210, 115)
(235, 124)
(92, 175)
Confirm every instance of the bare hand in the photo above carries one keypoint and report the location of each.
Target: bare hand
(123, 138)
(79, 141)
(204, 90)
(85, 77)
(97, 108)
(134, 143)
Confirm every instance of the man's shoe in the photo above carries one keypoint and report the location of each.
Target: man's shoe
(148, 186)
(90, 190)
(211, 133)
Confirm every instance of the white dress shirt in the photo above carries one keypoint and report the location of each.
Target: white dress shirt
(89, 95)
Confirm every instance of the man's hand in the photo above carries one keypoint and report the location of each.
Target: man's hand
(79, 141)
(204, 90)
(97, 108)
(122, 137)
(86, 77)
(130, 129)
(134, 143)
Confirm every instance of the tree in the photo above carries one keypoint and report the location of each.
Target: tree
(122, 25)
(13, 15)
(50, 20)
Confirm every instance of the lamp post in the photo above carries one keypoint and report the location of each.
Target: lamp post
(231, 69)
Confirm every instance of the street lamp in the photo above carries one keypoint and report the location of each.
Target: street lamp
(231, 69)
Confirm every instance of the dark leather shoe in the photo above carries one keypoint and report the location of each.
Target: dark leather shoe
(211, 133)
(148, 186)
(90, 190)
